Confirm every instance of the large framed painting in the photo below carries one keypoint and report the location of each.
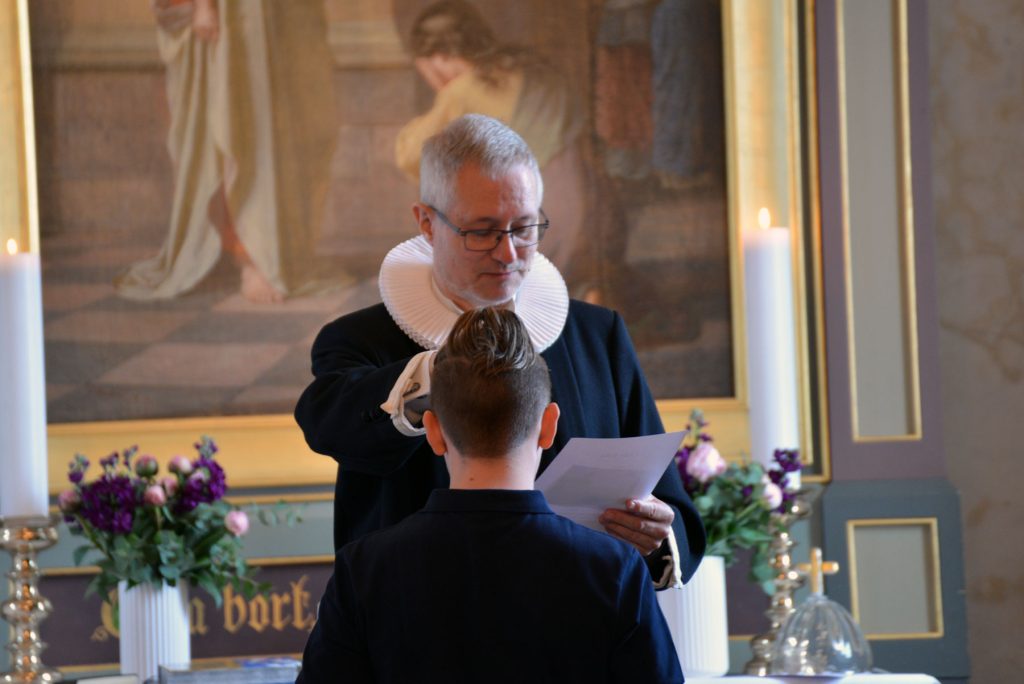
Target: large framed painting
(213, 189)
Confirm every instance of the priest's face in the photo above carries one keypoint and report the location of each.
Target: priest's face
(474, 279)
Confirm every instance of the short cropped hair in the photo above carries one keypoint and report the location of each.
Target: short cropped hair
(471, 139)
(488, 386)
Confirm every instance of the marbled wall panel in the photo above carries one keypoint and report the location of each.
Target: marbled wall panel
(977, 82)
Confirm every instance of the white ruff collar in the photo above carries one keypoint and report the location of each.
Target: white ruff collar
(407, 288)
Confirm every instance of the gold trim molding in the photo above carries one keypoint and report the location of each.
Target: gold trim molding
(19, 207)
(932, 525)
(256, 451)
(906, 227)
(263, 562)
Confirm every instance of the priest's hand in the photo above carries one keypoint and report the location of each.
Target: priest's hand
(644, 523)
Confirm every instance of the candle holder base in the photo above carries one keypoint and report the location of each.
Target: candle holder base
(787, 580)
(25, 608)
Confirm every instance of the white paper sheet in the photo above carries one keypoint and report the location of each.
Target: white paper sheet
(591, 475)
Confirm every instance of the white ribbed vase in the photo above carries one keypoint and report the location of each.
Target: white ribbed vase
(696, 617)
(153, 628)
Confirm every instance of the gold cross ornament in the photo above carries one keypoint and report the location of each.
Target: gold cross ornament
(816, 570)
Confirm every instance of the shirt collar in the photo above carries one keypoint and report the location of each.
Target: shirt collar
(493, 500)
(424, 314)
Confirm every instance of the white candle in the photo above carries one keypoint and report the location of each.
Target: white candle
(771, 342)
(23, 482)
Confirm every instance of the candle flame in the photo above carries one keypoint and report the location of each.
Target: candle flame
(764, 218)
(12, 246)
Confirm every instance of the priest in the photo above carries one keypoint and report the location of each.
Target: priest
(480, 221)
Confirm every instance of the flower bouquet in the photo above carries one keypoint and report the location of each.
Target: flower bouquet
(152, 529)
(737, 501)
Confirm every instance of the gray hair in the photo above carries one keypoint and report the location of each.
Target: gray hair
(471, 139)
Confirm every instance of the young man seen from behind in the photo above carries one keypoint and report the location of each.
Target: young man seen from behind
(486, 583)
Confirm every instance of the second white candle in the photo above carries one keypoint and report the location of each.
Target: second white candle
(771, 343)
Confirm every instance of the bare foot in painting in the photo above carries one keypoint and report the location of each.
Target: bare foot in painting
(256, 288)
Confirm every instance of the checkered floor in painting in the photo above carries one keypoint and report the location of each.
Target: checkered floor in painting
(207, 352)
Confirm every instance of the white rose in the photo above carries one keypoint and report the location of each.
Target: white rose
(772, 495)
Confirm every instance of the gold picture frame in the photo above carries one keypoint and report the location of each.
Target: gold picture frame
(762, 151)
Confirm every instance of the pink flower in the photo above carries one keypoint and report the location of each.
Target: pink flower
(772, 495)
(155, 495)
(180, 464)
(170, 485)
(69, 500)
(199, 476)
(237, 523)
(146, 466)
(705, 463)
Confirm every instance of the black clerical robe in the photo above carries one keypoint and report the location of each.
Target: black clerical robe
(384, 476)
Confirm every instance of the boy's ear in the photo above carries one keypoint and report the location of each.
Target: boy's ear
(434, 436)
(548, 426)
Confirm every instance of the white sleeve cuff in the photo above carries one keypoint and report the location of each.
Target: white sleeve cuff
(413, 383)
(672, 576)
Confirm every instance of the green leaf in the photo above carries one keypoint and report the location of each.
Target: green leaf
(752, 535)
(294, 516)
(170, 572)
(762, 572)
(207, 582)
(94, 585)
(752, 476)
(79, 554)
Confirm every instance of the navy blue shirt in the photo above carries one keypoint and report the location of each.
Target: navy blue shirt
(489, 586)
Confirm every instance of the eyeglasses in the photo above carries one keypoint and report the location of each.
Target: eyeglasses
(484, 240)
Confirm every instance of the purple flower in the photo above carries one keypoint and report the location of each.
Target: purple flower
(123, 521)
(206, 484)
(217, 484)
(77, 468)
(109, 503)
(788, 459)
(126, 456)
(682, 456)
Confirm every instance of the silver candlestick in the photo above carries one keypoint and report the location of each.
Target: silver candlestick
(25, 608)
(787, 580)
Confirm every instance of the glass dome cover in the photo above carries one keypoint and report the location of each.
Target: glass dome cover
(820, 637)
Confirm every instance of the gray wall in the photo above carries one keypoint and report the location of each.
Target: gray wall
(977, 110)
